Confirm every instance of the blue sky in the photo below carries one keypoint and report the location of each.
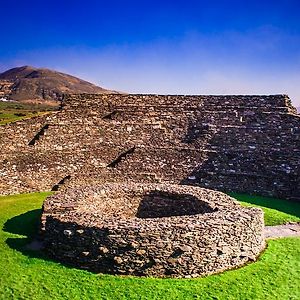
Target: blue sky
(175, 47)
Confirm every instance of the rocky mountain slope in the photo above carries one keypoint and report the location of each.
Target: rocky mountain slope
(34, 84)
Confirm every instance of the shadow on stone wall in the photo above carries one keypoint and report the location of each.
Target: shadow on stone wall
(244, 163)
(158, 204)
(195, 130)
(31, 243)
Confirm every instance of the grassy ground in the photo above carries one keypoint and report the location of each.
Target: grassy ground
(277, 211)
(30, 275)
(14, 111)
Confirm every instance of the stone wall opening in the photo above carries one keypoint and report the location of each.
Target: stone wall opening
(159, 204)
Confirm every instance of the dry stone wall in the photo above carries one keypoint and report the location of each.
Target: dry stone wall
(151, 230)
(247, 144)
(5, 88)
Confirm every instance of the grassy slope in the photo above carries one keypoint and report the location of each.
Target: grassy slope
(29, 275)
(13, 111)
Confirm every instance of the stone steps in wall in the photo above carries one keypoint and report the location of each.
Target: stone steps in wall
(180, 100)
(20, 133)
(121, 157)
(108, 151)
(214, 118)
(37, 137)
(61, 183)
(90, 135)
(166, 156)
(241, 136)
(203, 144)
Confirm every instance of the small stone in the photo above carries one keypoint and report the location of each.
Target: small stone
(141, 252)
(134, 244)
(103, 250)
(68, 232)
(160, 245)
(85, 253)
(118, 260)
(172, 261)
(80, 231)
(185, 248)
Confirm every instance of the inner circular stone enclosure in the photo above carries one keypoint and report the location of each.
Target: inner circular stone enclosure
(151, 230)
(159, 204)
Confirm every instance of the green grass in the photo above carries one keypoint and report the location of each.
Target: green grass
(14, 111)
(30, 275)
(276, 211)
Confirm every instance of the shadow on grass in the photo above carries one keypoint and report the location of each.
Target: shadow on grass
(27, 225)
(289, 207)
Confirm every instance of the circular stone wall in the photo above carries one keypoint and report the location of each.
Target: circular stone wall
(153, 230)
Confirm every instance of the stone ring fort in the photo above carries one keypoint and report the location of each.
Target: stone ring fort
(151, 229)
(140, 178)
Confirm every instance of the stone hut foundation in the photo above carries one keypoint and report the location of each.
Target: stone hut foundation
(151, 230)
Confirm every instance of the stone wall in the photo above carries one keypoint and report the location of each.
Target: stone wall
(248, 144)
(151, 230)
(5, 88)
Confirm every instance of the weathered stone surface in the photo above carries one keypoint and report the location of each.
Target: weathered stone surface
(5, 88)
(248, 144)
(151, 230)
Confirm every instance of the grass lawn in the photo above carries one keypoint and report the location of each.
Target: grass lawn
(277, 211)
(30, 275)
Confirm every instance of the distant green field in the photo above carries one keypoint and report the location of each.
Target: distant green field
(30, 275)
(14, 111)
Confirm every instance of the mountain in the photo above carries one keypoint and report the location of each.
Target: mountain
(36, 84)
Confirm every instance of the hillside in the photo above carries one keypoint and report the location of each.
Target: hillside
(34, 84)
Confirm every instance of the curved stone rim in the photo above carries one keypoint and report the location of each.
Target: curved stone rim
(110, 221)
(177, 246)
